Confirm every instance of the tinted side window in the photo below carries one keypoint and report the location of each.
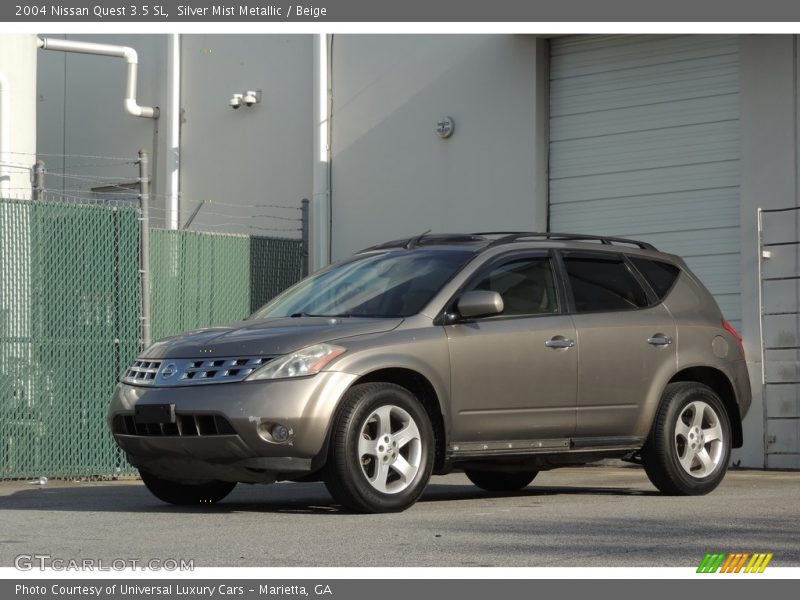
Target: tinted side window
(600, 284)
(526, 286)
(660, 275)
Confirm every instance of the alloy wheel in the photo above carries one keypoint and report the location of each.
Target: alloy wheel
(390, 449)
(699, 439)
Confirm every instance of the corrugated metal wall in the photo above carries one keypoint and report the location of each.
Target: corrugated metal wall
(644, 142)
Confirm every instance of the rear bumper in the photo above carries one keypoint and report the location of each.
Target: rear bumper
(306, 406)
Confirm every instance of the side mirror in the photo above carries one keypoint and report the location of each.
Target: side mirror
(479, 303)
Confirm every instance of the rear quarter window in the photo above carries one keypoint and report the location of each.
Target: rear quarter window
(660, 275)
(603, 284)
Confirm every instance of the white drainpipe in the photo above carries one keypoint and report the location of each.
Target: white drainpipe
(321, 201)
(5, 135)
(172, 163)
(130, 56)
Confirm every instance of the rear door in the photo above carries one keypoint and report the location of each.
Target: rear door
(514, 374)
(625, 342)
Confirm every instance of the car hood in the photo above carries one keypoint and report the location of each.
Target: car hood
(265, 337)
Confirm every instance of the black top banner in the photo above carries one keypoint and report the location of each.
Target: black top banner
(401, 11)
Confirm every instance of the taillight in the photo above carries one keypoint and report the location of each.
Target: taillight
(729, 328)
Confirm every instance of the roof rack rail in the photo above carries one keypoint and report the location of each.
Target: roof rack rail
(426, 238)
(514, 236)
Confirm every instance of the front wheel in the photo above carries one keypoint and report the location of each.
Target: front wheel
(498, 481)
(185, 494)
(382, 448)
(689, 447)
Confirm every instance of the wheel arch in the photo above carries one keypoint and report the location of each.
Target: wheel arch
(422, 389)
(723, 387)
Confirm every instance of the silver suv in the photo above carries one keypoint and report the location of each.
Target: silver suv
(500, 354)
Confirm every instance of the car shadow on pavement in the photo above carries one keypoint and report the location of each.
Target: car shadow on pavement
(308, 498)
(440, 493)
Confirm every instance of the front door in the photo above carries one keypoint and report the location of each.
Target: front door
(514, 374)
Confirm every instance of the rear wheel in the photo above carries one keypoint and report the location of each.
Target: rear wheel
(689, 447)
(184, 494)
(498, 481)
(382, 447)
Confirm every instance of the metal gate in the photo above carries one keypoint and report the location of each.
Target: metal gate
(779, 303)
(69, 286)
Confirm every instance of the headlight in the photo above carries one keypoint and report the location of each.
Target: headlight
(308, 361)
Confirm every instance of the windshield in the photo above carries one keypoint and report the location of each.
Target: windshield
(391, 284)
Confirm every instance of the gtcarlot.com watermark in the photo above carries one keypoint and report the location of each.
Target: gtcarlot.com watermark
(42, 562)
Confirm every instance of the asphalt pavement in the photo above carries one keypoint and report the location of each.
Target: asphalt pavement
(592, 516)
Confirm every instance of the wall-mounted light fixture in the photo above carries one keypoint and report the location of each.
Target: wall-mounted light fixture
(248, 98)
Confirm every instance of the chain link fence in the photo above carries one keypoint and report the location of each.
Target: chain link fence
(70, 318)
(201, 279)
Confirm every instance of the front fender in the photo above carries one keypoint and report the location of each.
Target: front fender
(423, 351)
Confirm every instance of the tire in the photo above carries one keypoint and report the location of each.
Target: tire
(185, 494)
(382, 449)
(689, 447)
(498, 481)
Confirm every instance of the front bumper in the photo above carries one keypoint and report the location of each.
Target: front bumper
(305, 405)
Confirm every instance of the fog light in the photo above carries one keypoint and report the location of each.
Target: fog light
(275, 433)
(280, 433)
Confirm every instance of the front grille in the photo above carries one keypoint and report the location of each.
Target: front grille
(182, 372)
(143, 371)
(184, 426)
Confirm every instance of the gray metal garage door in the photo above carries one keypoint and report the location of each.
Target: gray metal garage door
(644, 142)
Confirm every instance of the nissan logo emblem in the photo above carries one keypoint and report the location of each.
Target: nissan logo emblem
(168, 371)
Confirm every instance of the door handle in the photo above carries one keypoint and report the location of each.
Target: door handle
(659, 340)
(559, 342)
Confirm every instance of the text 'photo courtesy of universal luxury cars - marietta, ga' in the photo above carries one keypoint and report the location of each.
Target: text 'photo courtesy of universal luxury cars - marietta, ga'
(501, 354)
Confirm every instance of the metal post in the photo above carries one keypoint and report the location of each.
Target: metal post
(38, 180)
(304, 228)
(760, 250)
(144, 247)
(764, 414)
(193, 215)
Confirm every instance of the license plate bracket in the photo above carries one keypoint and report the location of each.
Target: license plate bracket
(154, 414)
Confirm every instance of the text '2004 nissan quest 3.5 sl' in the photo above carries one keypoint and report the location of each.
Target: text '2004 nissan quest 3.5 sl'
(500, 354)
